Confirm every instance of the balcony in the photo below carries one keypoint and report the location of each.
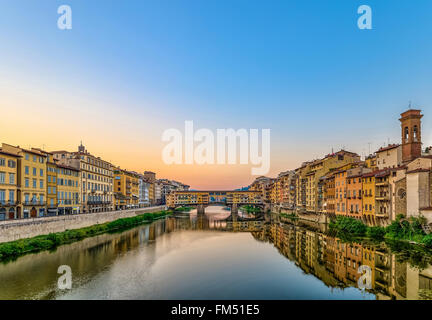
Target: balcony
(382, 197)
(382, 214)
(6, 203)
(94, 202)
(382, 184)
(34, 203)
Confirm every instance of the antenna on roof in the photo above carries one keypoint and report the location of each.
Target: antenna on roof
(409, 105)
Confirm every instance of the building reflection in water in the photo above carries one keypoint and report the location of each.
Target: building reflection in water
(336, 263)
(308, 245)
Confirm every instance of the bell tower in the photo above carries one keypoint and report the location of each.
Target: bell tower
(411, 134)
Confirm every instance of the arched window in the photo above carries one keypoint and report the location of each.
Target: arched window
(415, 133)
(406, 134)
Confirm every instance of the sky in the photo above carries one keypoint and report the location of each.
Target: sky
(129, 70)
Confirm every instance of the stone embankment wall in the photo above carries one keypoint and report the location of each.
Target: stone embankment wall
(11, 230)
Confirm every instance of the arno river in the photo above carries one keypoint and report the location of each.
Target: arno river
(218, 256)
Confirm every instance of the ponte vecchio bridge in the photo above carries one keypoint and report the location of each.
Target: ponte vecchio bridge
(202, 199)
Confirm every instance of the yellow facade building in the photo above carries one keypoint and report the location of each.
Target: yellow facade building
(8, 185)
(68, 190)
(371, 162)
(311, 192)
(368, 190)
(51, 181)
(32, 181)
(126, 189)
(96, 179)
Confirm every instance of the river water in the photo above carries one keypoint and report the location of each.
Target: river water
(219, 256)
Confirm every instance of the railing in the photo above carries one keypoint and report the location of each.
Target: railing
(34, 203)
(8, 202)
(98, 202)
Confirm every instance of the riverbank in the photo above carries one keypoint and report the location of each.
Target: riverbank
(251, 209)
(11, 230)
(405, 230)
(14, 249)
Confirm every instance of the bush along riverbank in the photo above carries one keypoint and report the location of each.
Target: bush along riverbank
(402, 229)
(14, 249)
(291, 216)
(183, 209)
(251, 209)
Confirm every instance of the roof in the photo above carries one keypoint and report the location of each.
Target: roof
(207, 191)
(411, 112)
(42, 151)
(66, 167)
(34, 152)
(377, 173)
(382, 173)
(418, 170)
(389, 147)
(10, 154)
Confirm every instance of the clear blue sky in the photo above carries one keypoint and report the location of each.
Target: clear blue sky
(301, 68)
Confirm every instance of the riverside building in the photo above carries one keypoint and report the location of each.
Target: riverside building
(96, 179)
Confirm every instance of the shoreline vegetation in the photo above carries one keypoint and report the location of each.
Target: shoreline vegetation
(404, 237)
(251, 209)
(183, 209)
(291, 216)
(403, 229)
(17, 248)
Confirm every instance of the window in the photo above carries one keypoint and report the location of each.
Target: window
(27, 170)
(34, 183)
(406, 134)
(11, 164)
(41, 172)
(2, 177)
(34, 158)
(415, 133)
(11, 196)
(11, 178)
(2, 162)
(34, 171)
(27, 183)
